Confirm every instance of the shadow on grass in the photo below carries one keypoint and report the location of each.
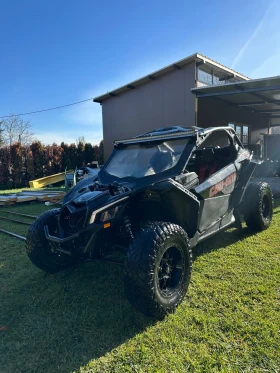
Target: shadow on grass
(220, 240)
(227, 237)
(57, 323)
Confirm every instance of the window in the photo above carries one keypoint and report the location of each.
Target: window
(242, 132)
(245, 136)
(206, 76)
(216, 139)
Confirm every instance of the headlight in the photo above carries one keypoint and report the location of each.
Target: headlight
(109, 214)
(106, 215)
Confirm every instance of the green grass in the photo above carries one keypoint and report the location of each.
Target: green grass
(79, 320)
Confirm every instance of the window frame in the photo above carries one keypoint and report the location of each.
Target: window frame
(215, 77)
(241, 125)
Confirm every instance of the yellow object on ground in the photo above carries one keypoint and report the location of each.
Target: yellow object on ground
(44, 181)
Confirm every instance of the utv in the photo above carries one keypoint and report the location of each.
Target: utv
(158, 195)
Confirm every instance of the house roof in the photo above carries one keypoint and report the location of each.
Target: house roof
(176, 65)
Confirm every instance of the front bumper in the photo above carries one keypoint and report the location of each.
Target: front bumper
(66, 245)
(58, 239)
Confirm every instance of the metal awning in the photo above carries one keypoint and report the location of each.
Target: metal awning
(257, 95)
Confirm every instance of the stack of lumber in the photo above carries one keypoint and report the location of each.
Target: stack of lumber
(28, 195)
(7, 199)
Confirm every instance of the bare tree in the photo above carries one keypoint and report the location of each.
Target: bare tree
(14, 129)
(80, 140)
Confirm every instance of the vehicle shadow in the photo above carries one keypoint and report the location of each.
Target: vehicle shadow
(221, 240)
(58, 323)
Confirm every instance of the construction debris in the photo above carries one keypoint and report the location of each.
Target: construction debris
(27, 195)
(47, 180)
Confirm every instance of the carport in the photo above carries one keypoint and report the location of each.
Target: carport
(251, 107)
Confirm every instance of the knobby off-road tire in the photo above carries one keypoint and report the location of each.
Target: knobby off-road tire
(259, 206)
(39, 249)
(158, 269)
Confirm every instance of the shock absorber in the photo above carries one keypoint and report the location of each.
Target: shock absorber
(127, 224)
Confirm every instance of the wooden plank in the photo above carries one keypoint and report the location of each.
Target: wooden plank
(48, 198)
(26, 198)
(42, 191)
(8, 197)
(39, 194)
(7, 203)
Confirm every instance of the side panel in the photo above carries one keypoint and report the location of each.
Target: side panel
(212, 209)
(215, 193)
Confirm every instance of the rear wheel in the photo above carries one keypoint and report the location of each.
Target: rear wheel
(259, 206)
(40, 250)
(158, 269)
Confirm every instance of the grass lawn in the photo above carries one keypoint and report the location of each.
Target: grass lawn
(79, 320)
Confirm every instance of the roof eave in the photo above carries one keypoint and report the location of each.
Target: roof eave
(176, 65)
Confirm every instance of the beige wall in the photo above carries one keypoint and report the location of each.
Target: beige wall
(164, 102)
(212, 113)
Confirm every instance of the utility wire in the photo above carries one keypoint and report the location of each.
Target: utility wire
(53, 108)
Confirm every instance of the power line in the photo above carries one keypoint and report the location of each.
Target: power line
(53, 108)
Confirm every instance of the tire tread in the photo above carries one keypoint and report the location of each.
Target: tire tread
(141, 255)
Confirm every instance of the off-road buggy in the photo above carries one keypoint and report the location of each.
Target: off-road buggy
(157, 197)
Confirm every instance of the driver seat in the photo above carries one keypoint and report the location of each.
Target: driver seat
(207, 165)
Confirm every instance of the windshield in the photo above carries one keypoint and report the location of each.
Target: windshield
(139, 160)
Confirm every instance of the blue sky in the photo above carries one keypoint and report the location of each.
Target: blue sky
(56, 52)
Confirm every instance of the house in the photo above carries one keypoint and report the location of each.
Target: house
(195, 91)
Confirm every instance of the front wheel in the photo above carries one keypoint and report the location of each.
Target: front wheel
(39, 250)
(259, 206)
(158, 269)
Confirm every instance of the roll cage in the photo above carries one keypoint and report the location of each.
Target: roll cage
(197, 136)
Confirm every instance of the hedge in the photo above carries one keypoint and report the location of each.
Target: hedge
(19, 164)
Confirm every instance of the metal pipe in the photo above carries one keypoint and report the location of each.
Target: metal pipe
(13, 235)
(17, 213)
(14, 220)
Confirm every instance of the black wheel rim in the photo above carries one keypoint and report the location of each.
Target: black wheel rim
(170, 271)
(266, 208)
